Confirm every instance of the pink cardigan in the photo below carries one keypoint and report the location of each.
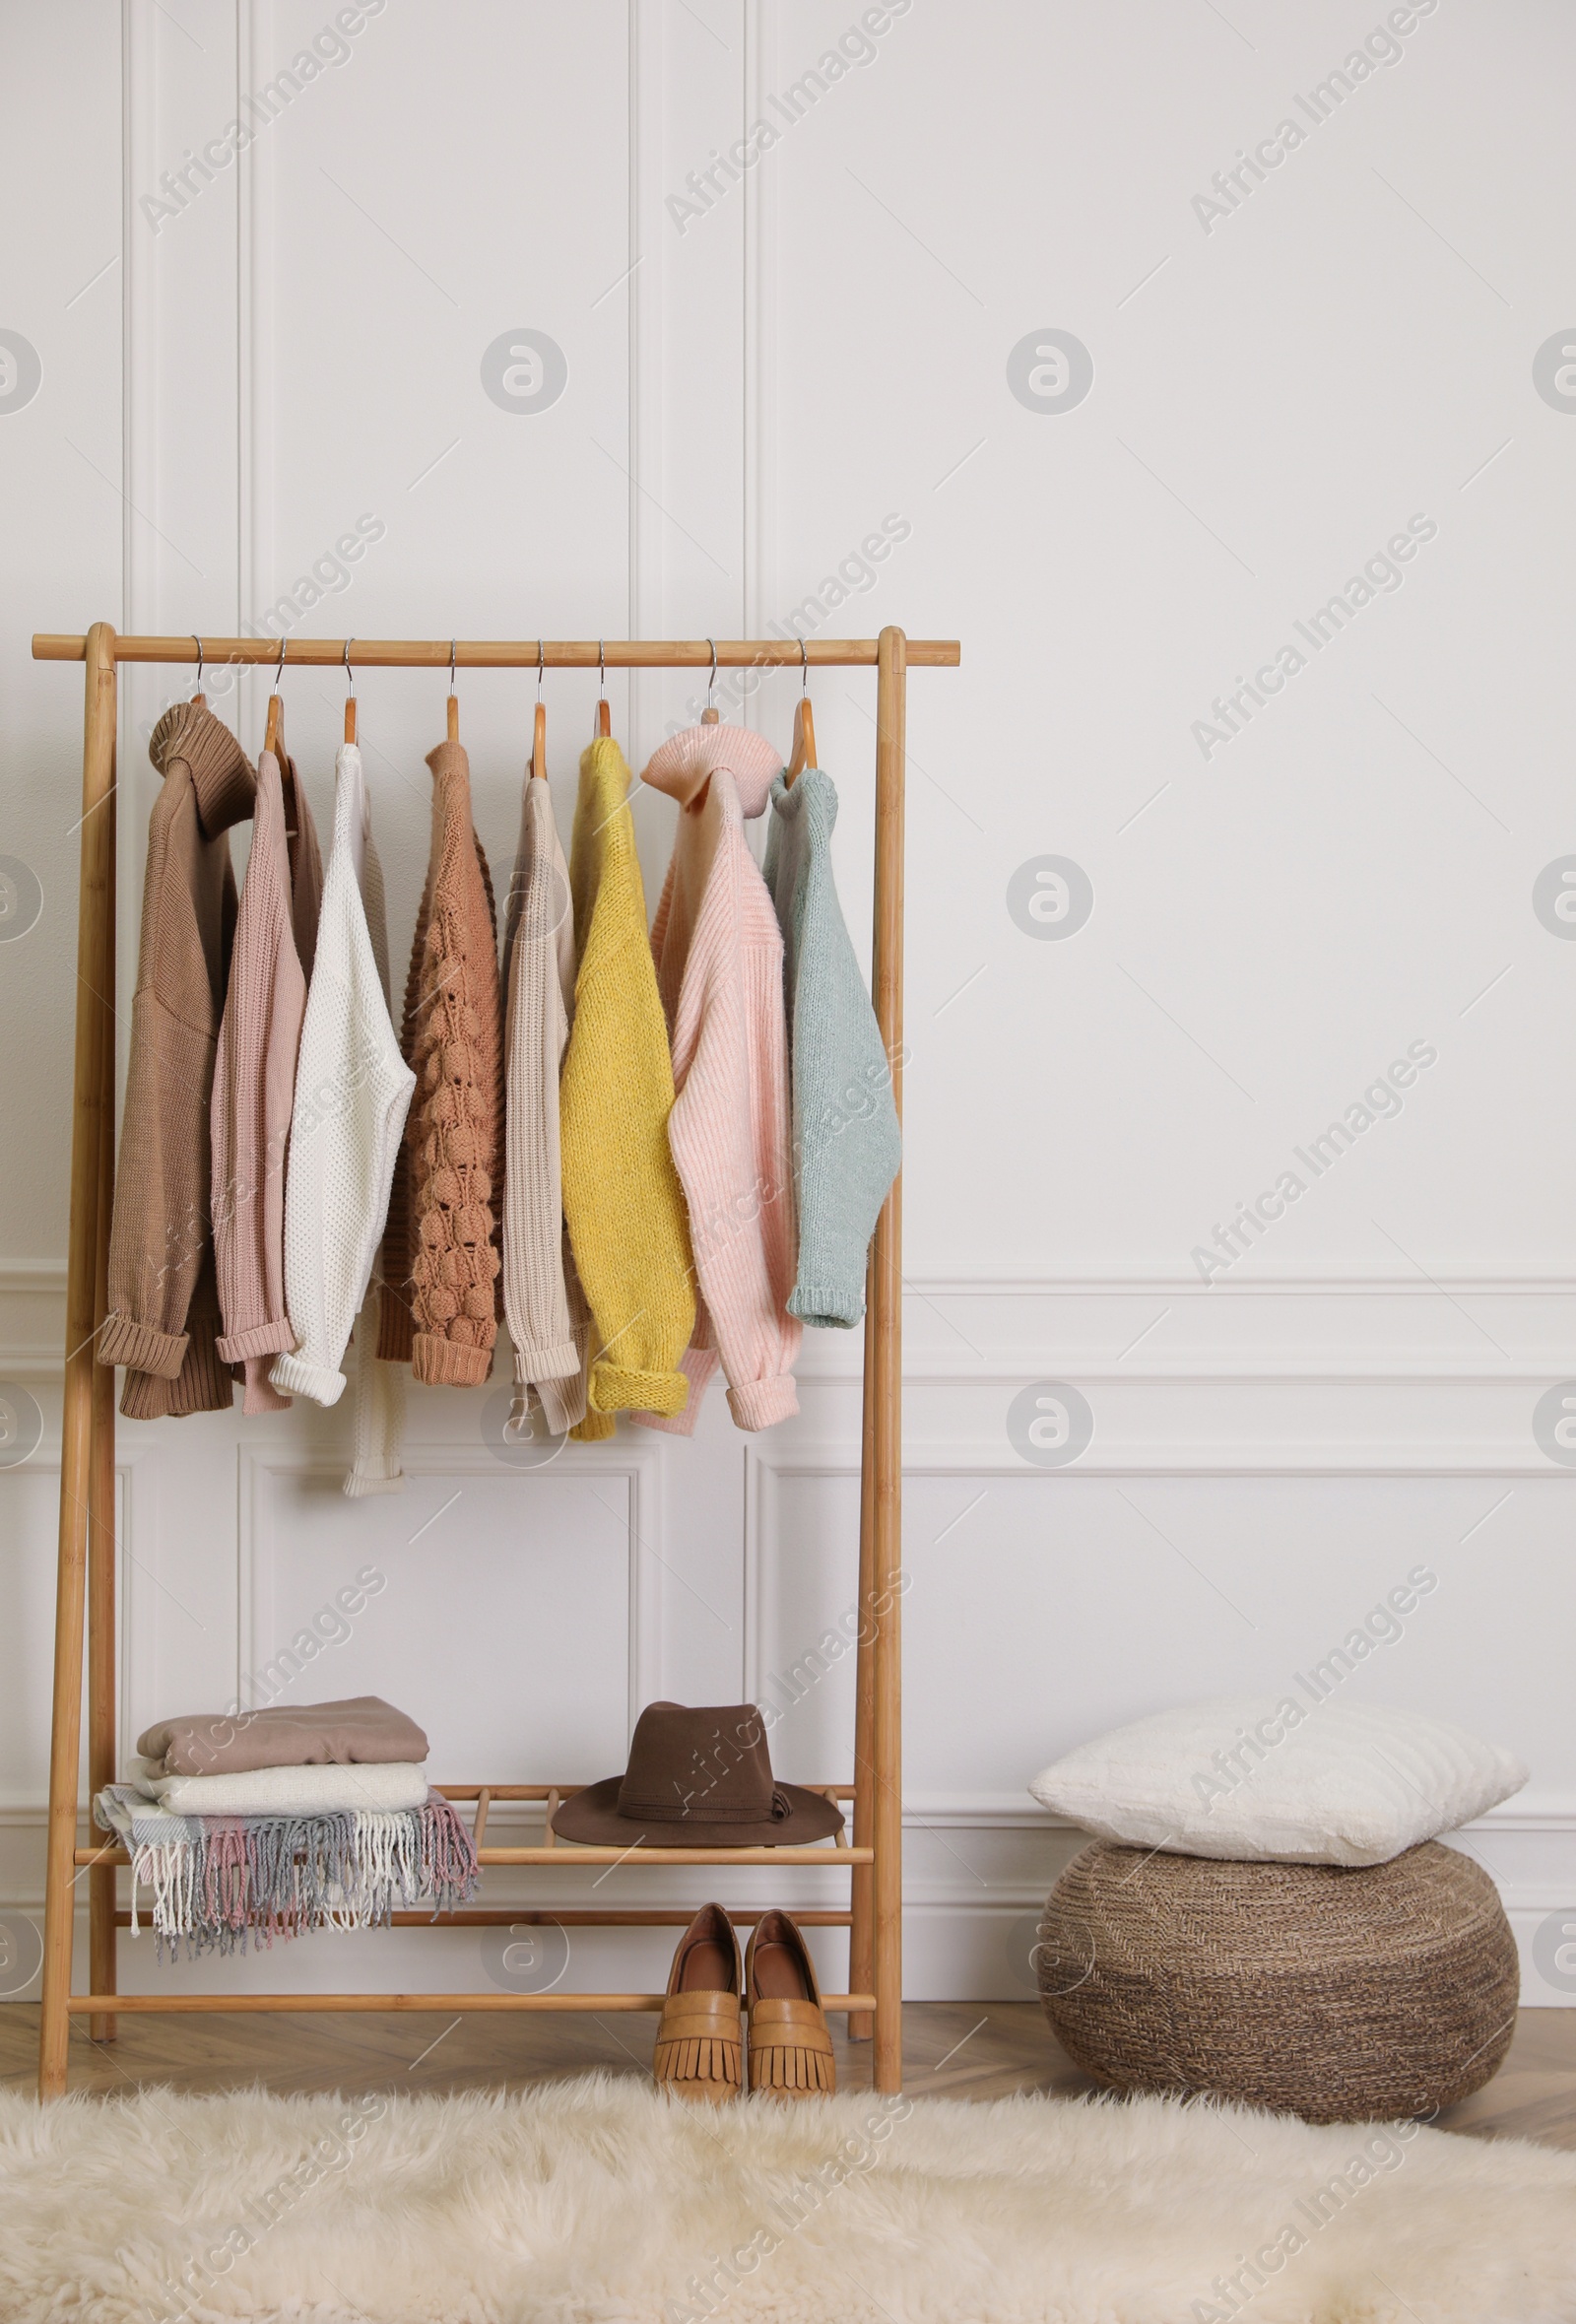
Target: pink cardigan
(254, 1077)
(719, 968)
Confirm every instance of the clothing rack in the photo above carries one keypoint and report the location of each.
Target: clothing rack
(86, 1569)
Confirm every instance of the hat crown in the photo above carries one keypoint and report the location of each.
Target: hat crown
(707, 1765)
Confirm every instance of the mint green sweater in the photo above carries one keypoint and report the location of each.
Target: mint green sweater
(846, 1141)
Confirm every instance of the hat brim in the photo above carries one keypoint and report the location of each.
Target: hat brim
(592, 1818)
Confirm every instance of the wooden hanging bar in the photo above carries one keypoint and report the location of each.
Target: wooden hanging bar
(87, 1571)
(515, 653)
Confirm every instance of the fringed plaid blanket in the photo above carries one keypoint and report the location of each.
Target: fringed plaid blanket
(216, 1877)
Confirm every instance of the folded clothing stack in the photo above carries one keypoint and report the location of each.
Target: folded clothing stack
(285, 1820)
(311, 1758)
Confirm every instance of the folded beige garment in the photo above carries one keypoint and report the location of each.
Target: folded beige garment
(363, 1730)
(385, 1787)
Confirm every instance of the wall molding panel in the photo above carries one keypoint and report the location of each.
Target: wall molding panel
(260, 1628)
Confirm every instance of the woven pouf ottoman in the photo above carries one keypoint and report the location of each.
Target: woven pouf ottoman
(1341, 1994)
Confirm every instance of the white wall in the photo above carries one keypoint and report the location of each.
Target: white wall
(752, 391)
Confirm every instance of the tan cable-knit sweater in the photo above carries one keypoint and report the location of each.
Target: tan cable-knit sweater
(254, 1079)
(164, 1312)
(538, 997)
(441, 1262)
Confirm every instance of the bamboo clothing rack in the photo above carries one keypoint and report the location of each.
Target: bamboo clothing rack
(86, 1569)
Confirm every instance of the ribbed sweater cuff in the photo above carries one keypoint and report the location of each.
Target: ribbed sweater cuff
(203, 1384)
(557, 1375)
(362, 1482)
(534, 1365)
(264, 1339)
(761, 1404)
(829, 1306)
(698, 1364)
(562, 1402)
(445, 1363)
(298, 1376)
(140, 1347)
(612, 1389)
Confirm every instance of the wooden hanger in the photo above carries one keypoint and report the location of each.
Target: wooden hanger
(198, 695)
(803, 750)
(454, 699)
(539, 732)
(350, 695)
(273, 732)
(711, 716)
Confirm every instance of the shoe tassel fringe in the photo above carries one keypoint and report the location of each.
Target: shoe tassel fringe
(707, 2059)
(789, 2067)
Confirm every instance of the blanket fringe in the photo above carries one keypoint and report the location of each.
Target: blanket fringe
(227, 1878)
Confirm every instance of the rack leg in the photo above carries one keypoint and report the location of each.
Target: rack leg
(885, 1343)
(862, 1926)
(101, 1945)
(95, 968)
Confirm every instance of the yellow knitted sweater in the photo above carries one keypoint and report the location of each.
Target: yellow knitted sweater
(622, 1200)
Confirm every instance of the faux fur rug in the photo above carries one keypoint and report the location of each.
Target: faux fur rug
(601, 2202)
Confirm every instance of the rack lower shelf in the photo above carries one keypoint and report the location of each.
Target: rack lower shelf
(567, 1853)
(835, 1855)
(292, 2004)
(564, 1856)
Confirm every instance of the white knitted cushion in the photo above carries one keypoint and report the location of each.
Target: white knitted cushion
(1261, 1776)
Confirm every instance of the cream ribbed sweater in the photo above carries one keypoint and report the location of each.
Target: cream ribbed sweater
(353, 1089)
(539, 999)
(254, 1077)
(719, 969)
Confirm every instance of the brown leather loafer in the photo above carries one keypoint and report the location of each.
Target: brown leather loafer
(699, 2045)
(790, 2048)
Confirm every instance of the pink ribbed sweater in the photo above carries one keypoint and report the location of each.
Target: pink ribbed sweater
(254, 1077)
(719, 969)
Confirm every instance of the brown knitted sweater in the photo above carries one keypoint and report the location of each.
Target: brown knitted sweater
(163, 1310)
(440, 1261)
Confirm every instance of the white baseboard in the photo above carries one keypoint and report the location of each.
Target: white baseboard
(977, 1870)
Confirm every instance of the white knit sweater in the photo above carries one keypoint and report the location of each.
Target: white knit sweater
(538, 997)
(353, 1089)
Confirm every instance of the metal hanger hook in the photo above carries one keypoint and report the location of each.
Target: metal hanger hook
(711, 681)
(454, 647)
(349, 674)
(279, 666)
(539, 669)
(803, 668)
(601, 667)
(197, 642)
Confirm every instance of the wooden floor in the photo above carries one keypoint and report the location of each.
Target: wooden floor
(951, 2049)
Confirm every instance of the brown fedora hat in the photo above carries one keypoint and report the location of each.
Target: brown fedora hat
(697, 1779)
